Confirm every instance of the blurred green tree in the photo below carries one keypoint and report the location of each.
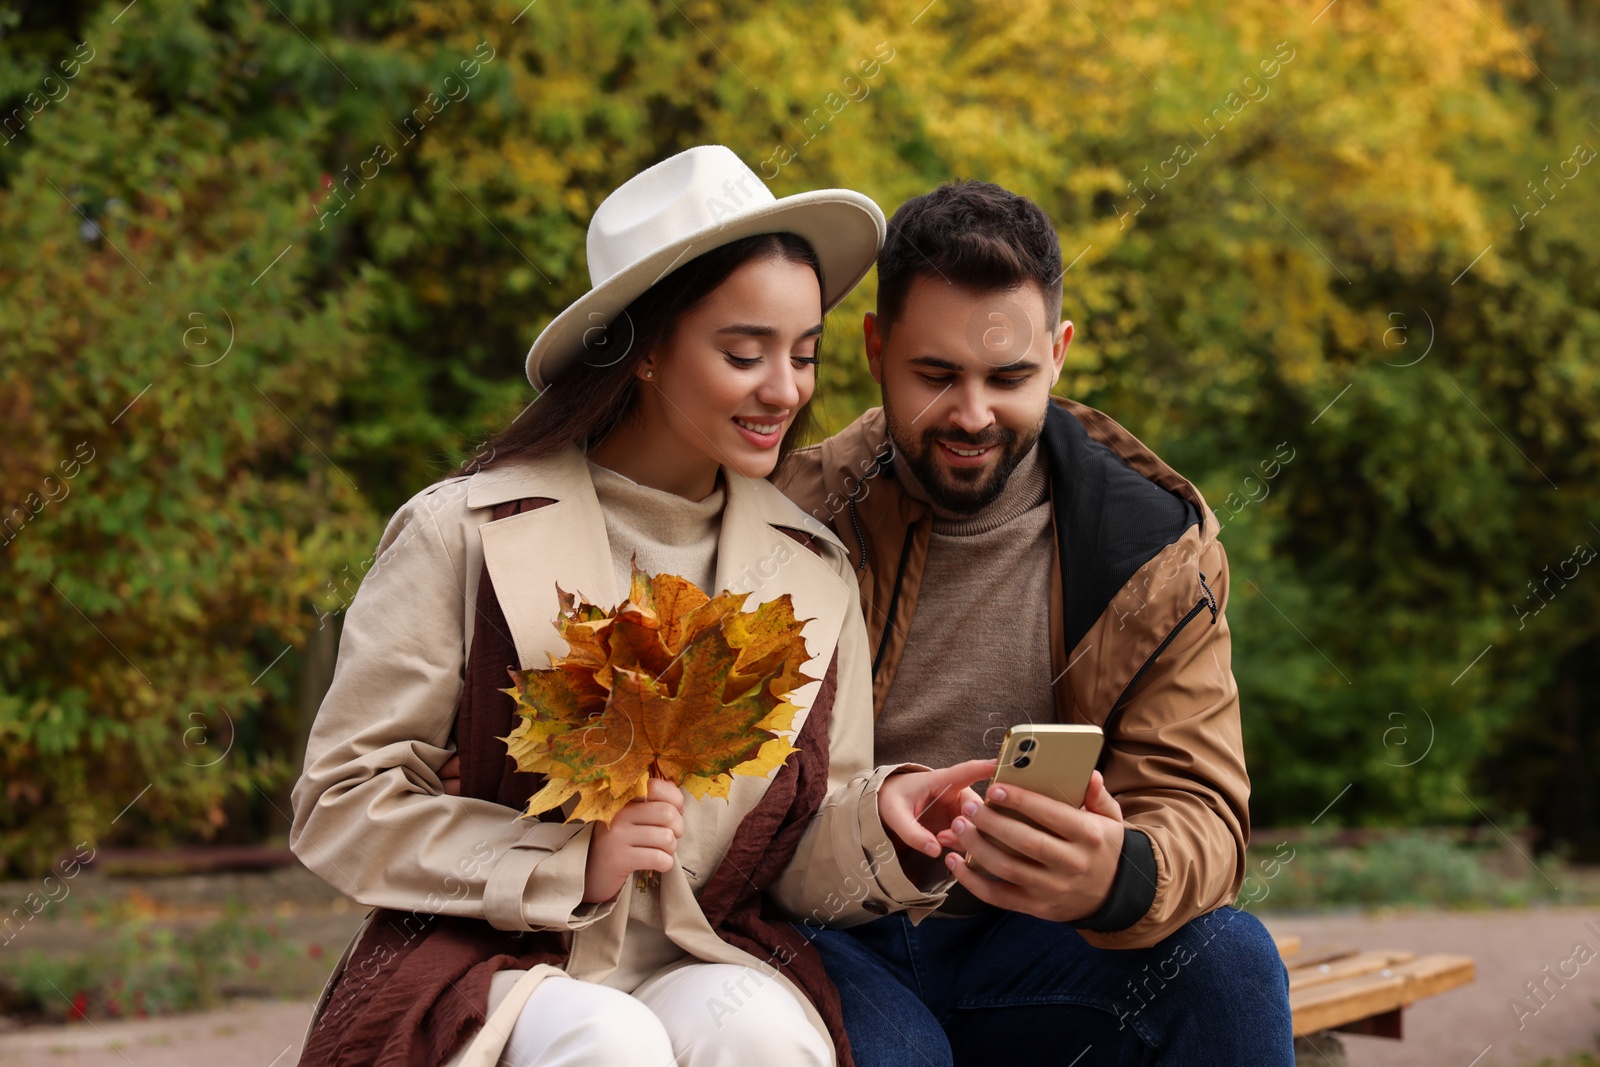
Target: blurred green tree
(1295, 264)
(169, 361)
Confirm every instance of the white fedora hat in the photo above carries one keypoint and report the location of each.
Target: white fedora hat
(687, 204)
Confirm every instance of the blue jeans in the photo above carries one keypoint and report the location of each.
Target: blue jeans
(1006, 988)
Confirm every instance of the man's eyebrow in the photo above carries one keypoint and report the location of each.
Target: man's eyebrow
(936, 363)
(749, 329)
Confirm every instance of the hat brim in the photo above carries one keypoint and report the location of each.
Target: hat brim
(845, 227)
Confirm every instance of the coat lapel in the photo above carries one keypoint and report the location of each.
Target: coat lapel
(755, 557)
(529, 554)
(566, 543)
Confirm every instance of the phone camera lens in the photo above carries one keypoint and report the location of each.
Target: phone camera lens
(1022, 761)
(1027, 744)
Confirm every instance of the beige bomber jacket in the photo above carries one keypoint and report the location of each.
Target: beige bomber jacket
(1141, 648)
(370, 814)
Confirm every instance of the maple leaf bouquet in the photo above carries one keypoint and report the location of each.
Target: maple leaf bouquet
(672, 684)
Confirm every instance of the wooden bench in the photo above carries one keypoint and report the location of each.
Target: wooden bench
(1363, 991)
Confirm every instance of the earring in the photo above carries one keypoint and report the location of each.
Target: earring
(649, 374)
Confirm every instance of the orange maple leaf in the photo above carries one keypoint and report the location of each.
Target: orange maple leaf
(673, 684)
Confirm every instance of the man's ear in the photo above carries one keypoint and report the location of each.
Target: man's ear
(872, 335)
(1058, 352)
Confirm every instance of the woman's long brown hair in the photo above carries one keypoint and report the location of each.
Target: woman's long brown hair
(592, 396)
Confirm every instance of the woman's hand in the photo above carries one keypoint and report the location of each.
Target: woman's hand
(450, 776)
(643, 836)
(915, 806)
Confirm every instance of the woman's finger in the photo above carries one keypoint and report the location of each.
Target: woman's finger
(660, 838)
(895, 801)
(450, 776)
(663, 790)
(650, 859)
(654, 813)
(963, 775)
(645, 835)
(950, 805)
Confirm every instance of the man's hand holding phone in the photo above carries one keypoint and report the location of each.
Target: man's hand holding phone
(1063, 867)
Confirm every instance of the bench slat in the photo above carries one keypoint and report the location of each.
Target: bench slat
(1301, 977)
(1321, 954)
(1334, 1003)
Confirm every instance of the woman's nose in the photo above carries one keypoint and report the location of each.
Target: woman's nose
(780, 388)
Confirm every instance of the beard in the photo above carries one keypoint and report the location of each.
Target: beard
(961, 491)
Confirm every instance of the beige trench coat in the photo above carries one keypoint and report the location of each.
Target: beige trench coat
(370, 813)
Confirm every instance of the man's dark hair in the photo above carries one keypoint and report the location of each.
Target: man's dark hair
(972, 234)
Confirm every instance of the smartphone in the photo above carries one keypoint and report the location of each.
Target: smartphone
(1052, 759)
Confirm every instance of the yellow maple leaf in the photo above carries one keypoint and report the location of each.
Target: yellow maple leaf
(673, 684)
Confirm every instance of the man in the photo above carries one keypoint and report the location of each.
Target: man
(1026, 559)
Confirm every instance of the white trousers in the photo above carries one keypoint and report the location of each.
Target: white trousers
(699, 1015)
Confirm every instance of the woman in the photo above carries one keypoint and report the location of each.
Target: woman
(668, 393)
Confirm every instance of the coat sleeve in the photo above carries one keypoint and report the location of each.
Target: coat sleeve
(1177, 769)
(845, 870)
(370, 813)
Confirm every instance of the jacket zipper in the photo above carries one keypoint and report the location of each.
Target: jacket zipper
(861, 539)
(1207, 601)
(880, 461)
(1210, 596)
(894, 601)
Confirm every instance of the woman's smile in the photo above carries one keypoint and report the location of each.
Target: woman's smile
(763, 433)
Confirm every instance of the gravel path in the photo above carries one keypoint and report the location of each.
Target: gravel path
(248, 1034)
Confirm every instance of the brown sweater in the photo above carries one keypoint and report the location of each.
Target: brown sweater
(977, 656)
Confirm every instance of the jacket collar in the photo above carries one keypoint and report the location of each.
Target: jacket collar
(565, 542)
(1115, 503)
(1102, 429)
(566, 475)
(1113, 514)
(862, 451)
(859, 454)
(556, 477)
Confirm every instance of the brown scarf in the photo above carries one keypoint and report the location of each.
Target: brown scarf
(417, 986)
